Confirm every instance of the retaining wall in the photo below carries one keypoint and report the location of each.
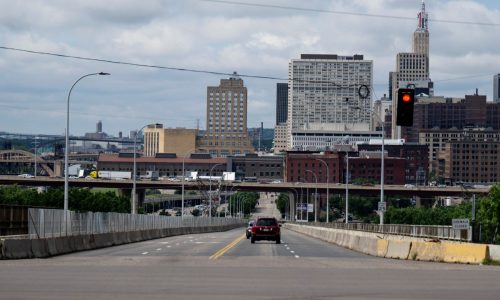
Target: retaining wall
(40, 248)
(402, 247)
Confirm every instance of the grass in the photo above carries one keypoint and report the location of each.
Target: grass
(491, 262)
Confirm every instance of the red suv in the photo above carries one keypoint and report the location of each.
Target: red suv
(266, 229)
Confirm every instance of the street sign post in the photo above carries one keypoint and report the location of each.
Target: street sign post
(382, 206)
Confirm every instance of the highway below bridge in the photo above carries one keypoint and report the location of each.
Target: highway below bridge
(295, 187)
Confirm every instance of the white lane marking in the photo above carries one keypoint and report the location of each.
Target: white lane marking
(291, 251)
(169, 246)
(159, 249)
(177, 244)
(287, 248)
(163, 243)
(144, 253)
(296, 256)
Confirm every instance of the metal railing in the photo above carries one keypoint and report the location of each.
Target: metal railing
(43, 223)
(421, 231)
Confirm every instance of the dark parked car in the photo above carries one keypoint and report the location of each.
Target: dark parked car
(249, 229)
(266, 229)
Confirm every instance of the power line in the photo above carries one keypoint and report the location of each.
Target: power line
(180, 69)
(346, 12)
(296, 80)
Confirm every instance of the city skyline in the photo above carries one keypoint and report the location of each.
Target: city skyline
(219, 37)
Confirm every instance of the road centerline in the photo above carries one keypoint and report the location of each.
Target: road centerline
(228, 247)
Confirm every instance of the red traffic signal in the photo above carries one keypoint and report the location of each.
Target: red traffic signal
(406, 100)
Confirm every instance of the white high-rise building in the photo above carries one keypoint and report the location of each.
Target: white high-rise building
(329, 96)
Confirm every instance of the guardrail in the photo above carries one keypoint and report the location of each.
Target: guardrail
(45, 223)
(422, 231)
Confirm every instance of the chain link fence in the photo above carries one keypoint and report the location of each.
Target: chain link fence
(44, 223)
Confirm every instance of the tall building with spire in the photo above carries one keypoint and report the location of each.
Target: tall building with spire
(412, 68)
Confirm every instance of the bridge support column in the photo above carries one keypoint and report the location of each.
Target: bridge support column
(291, 204)
(140, 195)
(418, 201)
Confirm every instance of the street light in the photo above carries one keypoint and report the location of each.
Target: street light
(381, 164)
(347, 190)
(183, 179)
(66, 150)
(210, 193)
(327, 180)
(315, 196)
(134, 196)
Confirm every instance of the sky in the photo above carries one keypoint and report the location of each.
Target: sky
(220, 37)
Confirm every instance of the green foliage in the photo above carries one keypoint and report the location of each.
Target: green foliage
(282, 202)
(79, 199)
(248, 200)
(427, 216)
(489, 215)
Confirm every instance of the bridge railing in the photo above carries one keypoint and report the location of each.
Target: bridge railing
(43, 223)
(421, 231)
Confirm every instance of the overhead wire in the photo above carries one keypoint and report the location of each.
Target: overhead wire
(337, 12)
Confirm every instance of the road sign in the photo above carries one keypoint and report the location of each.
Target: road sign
(310, 207)
(382, 206)
(301, 206)
(460, 224)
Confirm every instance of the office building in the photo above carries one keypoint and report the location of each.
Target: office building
(496, 88)
(328, 94)
(226, 130)
(281, 102)
(178, 141)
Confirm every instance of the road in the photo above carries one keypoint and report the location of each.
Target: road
(205, 266)
(227, 266)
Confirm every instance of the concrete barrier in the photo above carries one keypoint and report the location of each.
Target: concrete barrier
(427, 251)
(465, 253)
(26, 248)
(494, 251)
(398, 249)
(40, 248)
(16, 248)
(382, 246)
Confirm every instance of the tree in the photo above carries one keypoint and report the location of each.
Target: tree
(489, 215)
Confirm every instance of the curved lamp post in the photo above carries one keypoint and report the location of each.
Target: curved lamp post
(183, 180)
(327, 180)
(315, 196)
(210, 190)
(381, 164)
(66, 150)
(134, 174)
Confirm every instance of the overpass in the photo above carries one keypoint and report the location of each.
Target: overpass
(295, 187)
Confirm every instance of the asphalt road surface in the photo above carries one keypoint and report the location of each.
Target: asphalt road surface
(227, 266)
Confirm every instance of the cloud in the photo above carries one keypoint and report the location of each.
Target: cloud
(217, 37)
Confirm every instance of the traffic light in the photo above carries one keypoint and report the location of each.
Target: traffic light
(406, 100)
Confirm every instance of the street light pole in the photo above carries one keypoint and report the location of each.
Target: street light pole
(382, 157)
(327, 180)
(183, 179)
(315, 196)
(66, 150)
(347, 190)
(210, 193)
(134, 176)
